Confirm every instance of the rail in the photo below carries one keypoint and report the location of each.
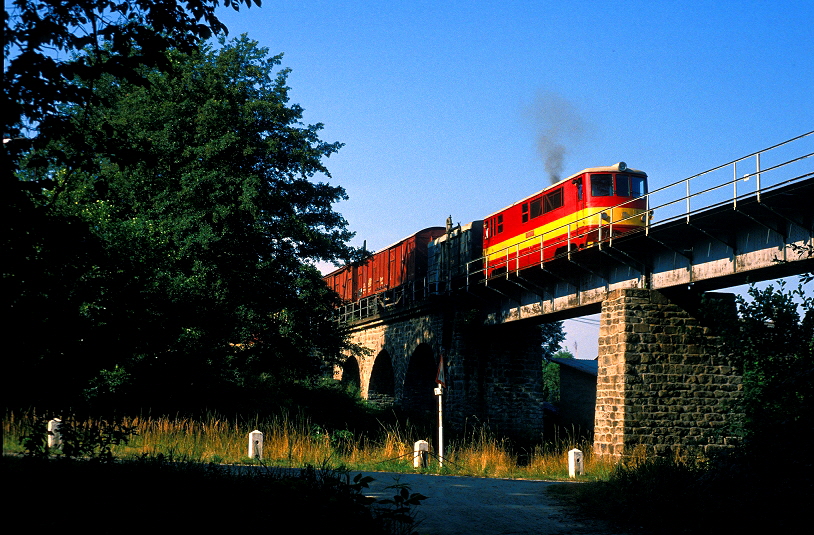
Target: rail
(696, 195)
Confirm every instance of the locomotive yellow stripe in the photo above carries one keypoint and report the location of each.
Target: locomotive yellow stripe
(586, 217)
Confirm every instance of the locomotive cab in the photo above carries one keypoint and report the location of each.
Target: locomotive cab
(616, 194)
(588, 207)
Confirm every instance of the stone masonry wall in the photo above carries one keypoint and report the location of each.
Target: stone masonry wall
(493, 374)
(400, 339)
(663, 380)
(494, 377)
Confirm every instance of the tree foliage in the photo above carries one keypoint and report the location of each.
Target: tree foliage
(774, 347)
(553, 336)
(174, 251)
(115, 37)
(551, 376)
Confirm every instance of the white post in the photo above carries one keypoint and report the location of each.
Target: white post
(54, 438)
(420, 452)
(439, 392)
(575, 465)
(256, 444)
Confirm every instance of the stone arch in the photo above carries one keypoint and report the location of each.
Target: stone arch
(351, 376)
(419, 381)
(382, 388)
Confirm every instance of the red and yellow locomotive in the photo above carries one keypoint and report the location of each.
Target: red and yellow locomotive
(585, 208)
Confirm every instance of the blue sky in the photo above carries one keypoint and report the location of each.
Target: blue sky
(441, 104)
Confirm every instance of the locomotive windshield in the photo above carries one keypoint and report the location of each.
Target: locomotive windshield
(604, 185)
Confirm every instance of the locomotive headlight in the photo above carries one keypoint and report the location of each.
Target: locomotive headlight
(622, 166)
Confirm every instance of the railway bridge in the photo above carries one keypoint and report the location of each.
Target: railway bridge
(663, 379)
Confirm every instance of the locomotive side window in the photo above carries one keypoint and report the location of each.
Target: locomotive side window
(623, 185)
(602, 185)
(638, 186)
(553, 200)
(525, 212)
(536, 208)
(500, 223)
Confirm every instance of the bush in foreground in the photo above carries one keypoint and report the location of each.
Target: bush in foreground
(157, 494)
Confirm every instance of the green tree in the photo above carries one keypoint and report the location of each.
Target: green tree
(116, 37)
(553, 336)
(184, 256)
(773, 343)
(49, 45)
(551, 376)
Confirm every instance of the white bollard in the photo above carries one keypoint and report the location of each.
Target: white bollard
(54, 438)
(256, 444)
(575, 465)
(421, 451)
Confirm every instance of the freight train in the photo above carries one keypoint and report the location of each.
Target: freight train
(586, 208)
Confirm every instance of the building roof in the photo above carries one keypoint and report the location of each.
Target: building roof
(582, 365)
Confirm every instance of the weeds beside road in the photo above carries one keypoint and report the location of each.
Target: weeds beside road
(296, 442)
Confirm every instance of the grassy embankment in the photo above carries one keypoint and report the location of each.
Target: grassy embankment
(295, 442)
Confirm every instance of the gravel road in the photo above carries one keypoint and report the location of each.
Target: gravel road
(481, 506)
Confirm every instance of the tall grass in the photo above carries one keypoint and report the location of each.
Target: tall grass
(294, 441)
(481, 453)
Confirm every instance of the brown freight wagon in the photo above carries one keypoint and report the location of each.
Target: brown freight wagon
(402, 263)
(342, 282)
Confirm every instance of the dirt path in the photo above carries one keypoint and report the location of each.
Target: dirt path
(481, 506)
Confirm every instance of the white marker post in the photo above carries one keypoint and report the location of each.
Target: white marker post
(420, 451)
(256, 444)
(575, 463)
(439, 391)
(54, 436)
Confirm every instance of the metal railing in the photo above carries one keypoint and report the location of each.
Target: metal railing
(696, 195)
(384, 301)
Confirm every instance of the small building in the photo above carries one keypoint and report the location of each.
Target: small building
(577, 394)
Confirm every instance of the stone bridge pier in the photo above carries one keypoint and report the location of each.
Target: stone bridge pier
(664, 381)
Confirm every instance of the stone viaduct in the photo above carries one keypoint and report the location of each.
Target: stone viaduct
(664, 380)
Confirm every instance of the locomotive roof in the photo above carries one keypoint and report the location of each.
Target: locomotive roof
(616, 168)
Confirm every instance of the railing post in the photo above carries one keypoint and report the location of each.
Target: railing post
(757, 164)
(542, 249)
(735, 185)
(610, 231)
(517, 259)
(688, 200)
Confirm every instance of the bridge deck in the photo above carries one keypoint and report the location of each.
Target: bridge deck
(730, 244)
